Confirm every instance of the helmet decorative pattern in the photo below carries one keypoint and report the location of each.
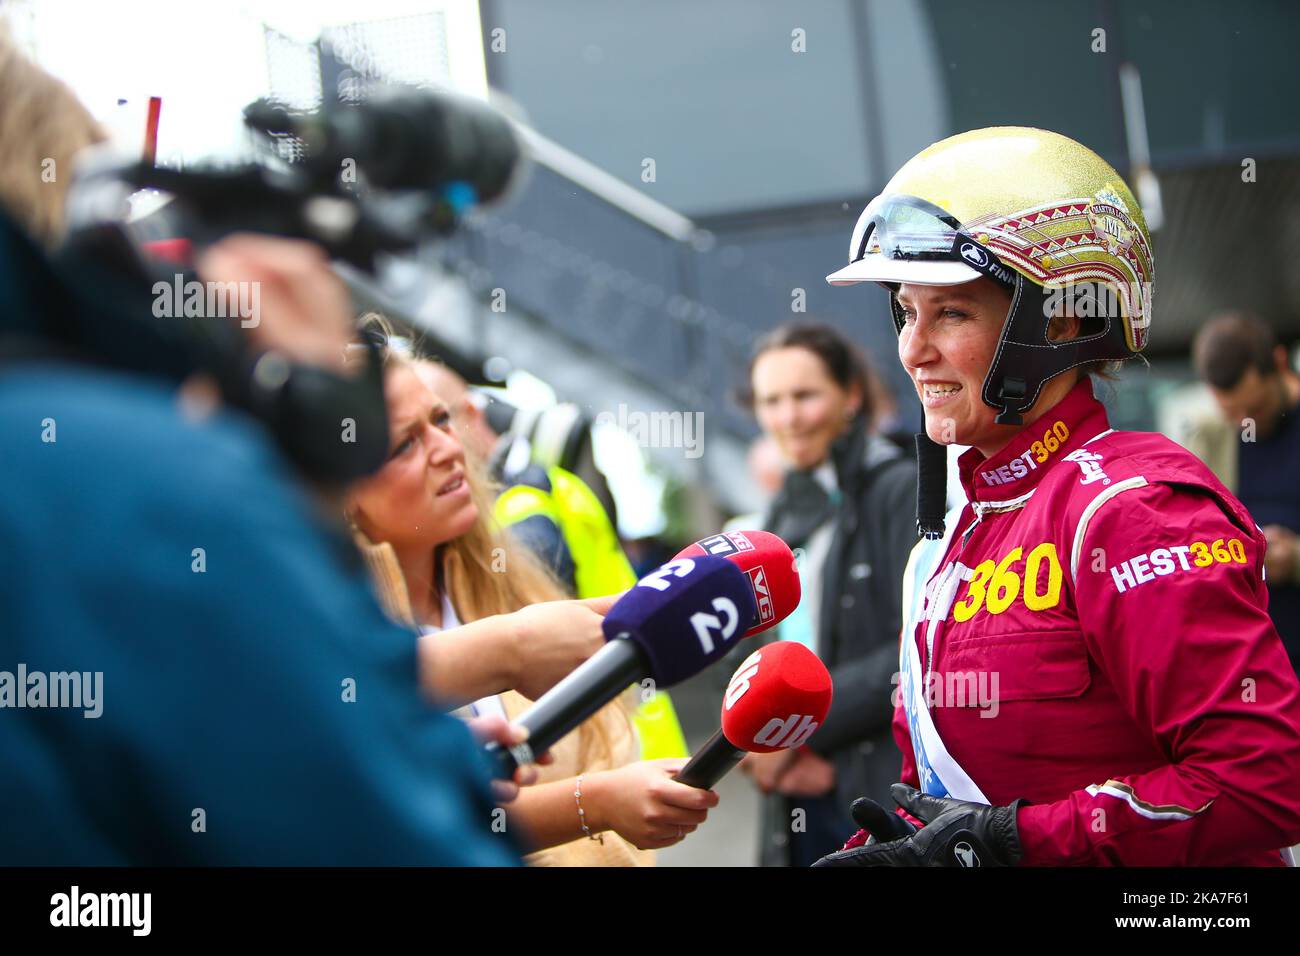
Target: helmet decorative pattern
(1087, 239)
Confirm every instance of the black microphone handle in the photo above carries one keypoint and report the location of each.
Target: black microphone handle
(710, 763)
(589, 687)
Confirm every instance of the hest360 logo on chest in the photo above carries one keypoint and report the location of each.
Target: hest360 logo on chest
(1038, 452)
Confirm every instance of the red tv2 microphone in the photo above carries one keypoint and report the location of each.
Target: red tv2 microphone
(775, 700)
(769, 564)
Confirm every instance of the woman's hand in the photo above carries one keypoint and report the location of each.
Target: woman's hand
(644, 805)
(530, 651)
(553, 638)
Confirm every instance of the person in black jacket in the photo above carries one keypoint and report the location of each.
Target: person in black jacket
(847, 507)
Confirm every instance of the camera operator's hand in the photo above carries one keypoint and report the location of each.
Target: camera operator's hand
(493, 728)
(302, 309)
(553, 638)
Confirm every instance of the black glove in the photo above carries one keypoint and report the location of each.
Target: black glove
(878, 824)
(956, 833)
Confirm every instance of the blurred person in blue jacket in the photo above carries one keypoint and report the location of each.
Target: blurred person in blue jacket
(244, 700)
(192, 667)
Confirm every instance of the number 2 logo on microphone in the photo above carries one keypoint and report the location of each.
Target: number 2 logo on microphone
(726, 617)
(660, 579)
(705, 623)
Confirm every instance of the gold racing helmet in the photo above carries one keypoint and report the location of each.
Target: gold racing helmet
(1044, 217)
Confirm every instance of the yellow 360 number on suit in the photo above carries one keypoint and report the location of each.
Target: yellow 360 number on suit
(996, 585)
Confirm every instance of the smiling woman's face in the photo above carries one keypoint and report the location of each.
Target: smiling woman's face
(949, 336)
(420, 497)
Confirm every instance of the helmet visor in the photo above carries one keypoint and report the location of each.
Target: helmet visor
(905, 239)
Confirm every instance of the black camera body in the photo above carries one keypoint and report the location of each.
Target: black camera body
(378, 177)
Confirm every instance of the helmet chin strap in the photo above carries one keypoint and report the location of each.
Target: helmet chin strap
(1010, 395)
(1024, 361)
(932, 457)
(931, 486)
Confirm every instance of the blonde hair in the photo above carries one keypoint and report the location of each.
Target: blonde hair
(487, 571)
(42, 127)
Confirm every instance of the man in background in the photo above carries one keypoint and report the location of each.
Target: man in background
(1247, 371)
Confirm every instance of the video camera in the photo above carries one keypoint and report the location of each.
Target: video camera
(376, 177)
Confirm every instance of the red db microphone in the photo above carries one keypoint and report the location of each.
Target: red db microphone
(775, 700)
(769, 564)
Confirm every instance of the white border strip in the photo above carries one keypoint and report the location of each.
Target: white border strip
(1128, 798)
(1137, 481)
(984, 507)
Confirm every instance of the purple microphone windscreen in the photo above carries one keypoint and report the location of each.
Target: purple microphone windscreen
(684, 615)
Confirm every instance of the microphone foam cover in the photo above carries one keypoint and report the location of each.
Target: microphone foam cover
(776, 699)
(684, 615)
(769, 565)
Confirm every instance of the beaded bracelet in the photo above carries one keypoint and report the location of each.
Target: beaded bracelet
(582, 814)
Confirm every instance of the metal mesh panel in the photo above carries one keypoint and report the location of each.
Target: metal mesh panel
(410, 50)
(293, 71)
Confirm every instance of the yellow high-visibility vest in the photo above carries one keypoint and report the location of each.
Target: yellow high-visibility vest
(600, 567)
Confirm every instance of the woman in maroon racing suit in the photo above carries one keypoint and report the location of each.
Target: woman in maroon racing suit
(1089, 674)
